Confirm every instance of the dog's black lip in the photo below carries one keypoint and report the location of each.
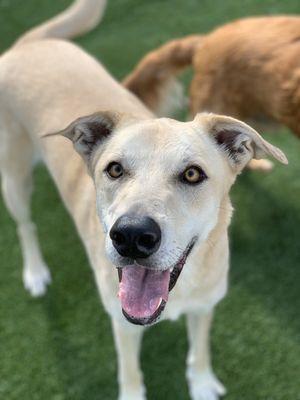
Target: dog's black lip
(178, 267)
(120, 274)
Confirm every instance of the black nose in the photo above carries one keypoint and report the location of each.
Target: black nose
(135, 237)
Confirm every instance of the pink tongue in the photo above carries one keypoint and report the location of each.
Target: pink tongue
(142, 290)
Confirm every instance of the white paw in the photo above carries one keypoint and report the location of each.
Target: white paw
(205, 386)
(36, 280)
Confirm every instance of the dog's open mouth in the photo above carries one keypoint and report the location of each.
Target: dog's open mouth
(144, 292)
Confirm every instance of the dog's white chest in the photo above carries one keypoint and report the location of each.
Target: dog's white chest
(194, 292)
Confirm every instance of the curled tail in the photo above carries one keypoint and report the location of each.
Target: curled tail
(153, 79)
(79, 18)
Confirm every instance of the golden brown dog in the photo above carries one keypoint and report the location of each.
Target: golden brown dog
(249, 69)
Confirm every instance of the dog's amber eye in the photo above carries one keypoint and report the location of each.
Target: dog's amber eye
(114, 170)
(193, 175)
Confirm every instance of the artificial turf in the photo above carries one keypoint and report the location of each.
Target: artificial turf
(60, 346)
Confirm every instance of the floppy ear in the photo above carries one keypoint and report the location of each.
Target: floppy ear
(238, 141)
(87, 133)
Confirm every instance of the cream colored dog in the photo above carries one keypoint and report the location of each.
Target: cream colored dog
(155, 204)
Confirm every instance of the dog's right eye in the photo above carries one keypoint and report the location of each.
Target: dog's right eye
(114, 170)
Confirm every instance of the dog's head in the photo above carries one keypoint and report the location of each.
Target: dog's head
(159, 185)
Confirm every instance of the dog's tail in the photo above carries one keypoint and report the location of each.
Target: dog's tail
(79, 18)
(154, 78)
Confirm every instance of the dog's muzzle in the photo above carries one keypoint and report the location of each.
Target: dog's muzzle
(143, 291)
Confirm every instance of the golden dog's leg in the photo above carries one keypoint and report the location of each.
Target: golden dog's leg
(203, 384)
(128, 342)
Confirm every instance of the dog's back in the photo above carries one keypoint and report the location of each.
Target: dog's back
(247, 69)
(250, 69)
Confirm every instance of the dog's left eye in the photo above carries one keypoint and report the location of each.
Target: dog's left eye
(114, 170)
(193, 175)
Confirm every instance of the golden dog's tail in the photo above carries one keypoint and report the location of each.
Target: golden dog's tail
(79, 18)
(154, 78)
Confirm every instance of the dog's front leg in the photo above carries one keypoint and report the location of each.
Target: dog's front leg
(203, 384)
(128, 342)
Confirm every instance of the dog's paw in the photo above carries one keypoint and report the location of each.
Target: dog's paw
(36, 280)
(205, 386)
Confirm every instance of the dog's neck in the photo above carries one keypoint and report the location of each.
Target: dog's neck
(220, 231)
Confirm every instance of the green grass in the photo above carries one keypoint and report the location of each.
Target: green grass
(60, 346)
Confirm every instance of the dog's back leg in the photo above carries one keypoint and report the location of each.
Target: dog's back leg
(16, 162)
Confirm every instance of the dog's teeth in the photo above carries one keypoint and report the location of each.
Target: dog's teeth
(160, 301)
